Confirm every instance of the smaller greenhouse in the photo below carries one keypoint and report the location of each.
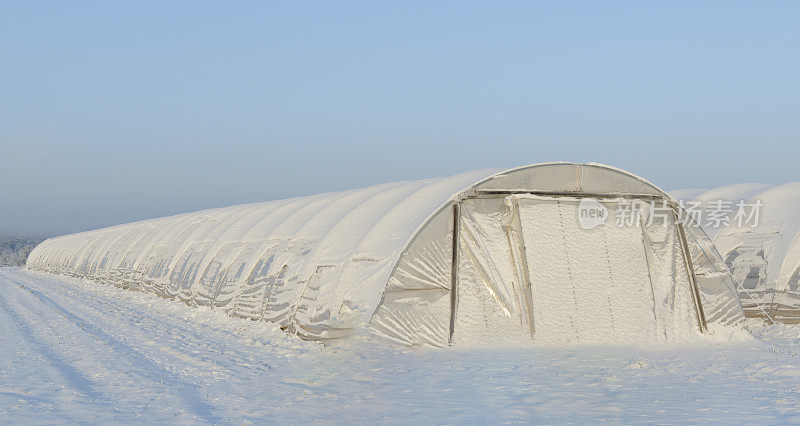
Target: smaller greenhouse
(763, 253)
(491, 257)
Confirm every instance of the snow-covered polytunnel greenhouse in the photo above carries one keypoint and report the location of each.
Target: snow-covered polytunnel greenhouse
(490, 257)
(763, 253)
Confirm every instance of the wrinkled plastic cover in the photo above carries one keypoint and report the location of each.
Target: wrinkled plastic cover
(492, 305)
(324, 264)
(640, 281)
(763, 259)
(718, 292)
(316, 265)
(416, 305)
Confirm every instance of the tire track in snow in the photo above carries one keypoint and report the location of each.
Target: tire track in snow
(185, 391)
(30, 382)
(74, 377)
(79, 295)
(196, 353)
(136, 326)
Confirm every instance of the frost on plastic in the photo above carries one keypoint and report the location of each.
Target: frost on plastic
(383, 259)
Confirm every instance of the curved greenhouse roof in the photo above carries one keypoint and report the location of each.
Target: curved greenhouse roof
(383, 259)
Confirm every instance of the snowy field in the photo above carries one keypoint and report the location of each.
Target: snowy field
(72, 350)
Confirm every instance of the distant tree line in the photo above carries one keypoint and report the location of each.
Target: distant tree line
(14, 250)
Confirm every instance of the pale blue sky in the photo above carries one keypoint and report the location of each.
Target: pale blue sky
(115, 111)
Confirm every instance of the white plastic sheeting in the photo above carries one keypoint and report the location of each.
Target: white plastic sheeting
(598, 285)
(527, 272)
(381, 258)
(764, 259)
(305, 263)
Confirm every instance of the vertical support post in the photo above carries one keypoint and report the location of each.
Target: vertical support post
(526, 276)
(694, 290)
(454, 269)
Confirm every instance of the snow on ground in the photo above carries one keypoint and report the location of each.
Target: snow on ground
(73, 350)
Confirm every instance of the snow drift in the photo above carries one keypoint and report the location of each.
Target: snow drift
(482, 258)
